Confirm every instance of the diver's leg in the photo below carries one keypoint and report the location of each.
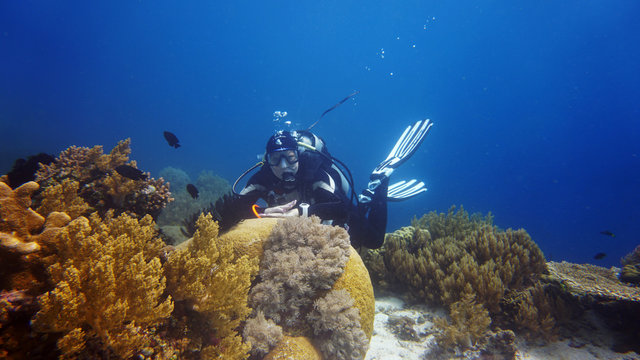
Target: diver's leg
(369, 225)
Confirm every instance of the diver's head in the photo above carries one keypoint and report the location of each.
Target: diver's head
(282, 157)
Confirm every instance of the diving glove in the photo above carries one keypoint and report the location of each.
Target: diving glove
(406, 146)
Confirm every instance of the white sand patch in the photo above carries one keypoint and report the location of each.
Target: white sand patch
(385, 345)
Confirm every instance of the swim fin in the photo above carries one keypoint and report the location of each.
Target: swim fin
(404, 190)
(406, 146)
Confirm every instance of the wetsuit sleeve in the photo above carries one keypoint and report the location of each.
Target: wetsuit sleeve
(232, 208)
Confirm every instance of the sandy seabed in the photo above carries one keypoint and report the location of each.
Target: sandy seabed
(593, 343)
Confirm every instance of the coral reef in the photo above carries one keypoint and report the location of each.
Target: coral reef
(208, 275)
(109, 285)
(631, 267)
(23, 234)
(469, 324)
(311, 285)
(295, 348)
(588, 280)
(469, 256)
(301, 257)
(597, 290)
(261, 334)
(98, 282)
(336, 326)
(462, 262)
(99, 184)
(534, 312)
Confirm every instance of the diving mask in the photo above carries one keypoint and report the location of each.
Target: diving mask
(275, 158)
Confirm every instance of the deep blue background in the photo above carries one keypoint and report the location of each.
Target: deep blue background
(536, 104)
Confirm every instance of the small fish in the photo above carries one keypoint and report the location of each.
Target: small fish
(608, 233)
(192, 190)
(130, 172)
(599, 256)
(172, 139)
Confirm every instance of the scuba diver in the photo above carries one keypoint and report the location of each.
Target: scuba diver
(298, 177)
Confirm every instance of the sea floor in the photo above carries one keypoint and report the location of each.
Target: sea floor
(392, 339)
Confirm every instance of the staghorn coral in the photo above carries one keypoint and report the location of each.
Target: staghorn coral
(336, 325)
(473, 257)
(469, 324)
(99, 185)
(109, 285)
(207, 274)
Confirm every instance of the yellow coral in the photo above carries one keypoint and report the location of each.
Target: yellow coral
(469, 324)
(209, 274)
(355, 280)
(294, 348)
(108, 280)
(63, 197)
(15, 214)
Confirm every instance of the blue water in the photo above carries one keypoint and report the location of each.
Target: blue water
(536, 104)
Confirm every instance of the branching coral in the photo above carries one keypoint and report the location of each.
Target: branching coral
(109, 284)
(469, 257)
(99, 185)
(469, 324)
(533, 312)
(63, 197)
(215, 281)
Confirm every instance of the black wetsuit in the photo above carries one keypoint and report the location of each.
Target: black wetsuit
(322, 186)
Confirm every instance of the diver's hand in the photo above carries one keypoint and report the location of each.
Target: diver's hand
(285, 210)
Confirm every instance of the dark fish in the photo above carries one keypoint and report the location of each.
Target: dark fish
(599, 256)
(608, 233)
(172, 139)
(192, 190)
(130, 172)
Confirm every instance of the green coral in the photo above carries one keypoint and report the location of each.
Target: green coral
(445, 257)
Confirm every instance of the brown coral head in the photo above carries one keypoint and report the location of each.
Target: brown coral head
(13, 243)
